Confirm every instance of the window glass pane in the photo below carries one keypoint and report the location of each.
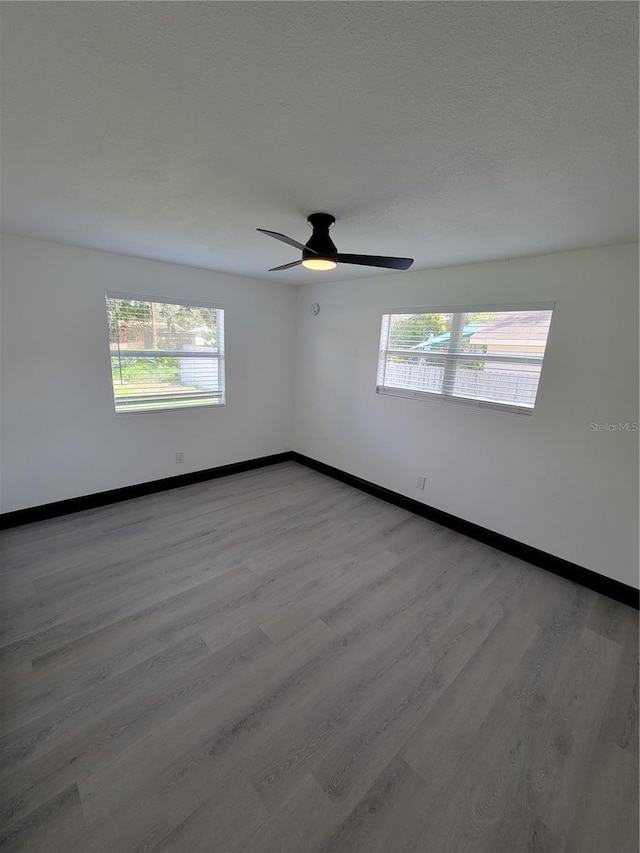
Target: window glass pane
(412, 362)
(135, 325)
(515, 338)
(497, 382)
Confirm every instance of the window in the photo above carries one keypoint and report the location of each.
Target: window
(489, 356)
(165, 353)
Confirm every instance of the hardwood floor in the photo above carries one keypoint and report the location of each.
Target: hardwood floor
(275, 661)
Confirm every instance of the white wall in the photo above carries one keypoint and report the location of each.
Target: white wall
(60, 435)
(546, 480)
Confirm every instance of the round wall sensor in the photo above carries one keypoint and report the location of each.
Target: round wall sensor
(315, 309)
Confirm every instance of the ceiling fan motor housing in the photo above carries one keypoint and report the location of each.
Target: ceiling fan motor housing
(320, 243)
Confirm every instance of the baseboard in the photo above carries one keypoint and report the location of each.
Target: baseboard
(585, 577)
(40, 513)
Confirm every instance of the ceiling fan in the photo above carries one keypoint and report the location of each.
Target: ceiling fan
(320, 252)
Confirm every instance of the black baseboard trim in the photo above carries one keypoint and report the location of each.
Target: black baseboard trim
(549, 562)
(557, 565)
(45, 511)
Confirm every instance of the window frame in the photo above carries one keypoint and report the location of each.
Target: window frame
(219, 355)
(450, 358)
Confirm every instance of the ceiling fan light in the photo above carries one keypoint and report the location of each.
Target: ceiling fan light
(319, 264)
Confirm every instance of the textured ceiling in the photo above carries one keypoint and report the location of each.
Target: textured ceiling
(450, 132)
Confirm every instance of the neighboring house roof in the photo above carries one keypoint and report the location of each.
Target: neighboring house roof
(515, 328)
(467, 331)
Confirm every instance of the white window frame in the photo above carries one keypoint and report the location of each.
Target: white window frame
(452, 357)
(128, 407)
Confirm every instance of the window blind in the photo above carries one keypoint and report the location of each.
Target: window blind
(165, 354)
(489, 357)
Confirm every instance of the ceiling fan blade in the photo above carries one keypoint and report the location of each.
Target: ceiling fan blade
(285, 266)
(284, 239)
(375, 261)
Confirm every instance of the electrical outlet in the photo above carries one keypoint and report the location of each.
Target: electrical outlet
(420, 481)
(179, 456)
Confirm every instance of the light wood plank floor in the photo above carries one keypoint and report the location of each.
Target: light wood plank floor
(275, 661)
